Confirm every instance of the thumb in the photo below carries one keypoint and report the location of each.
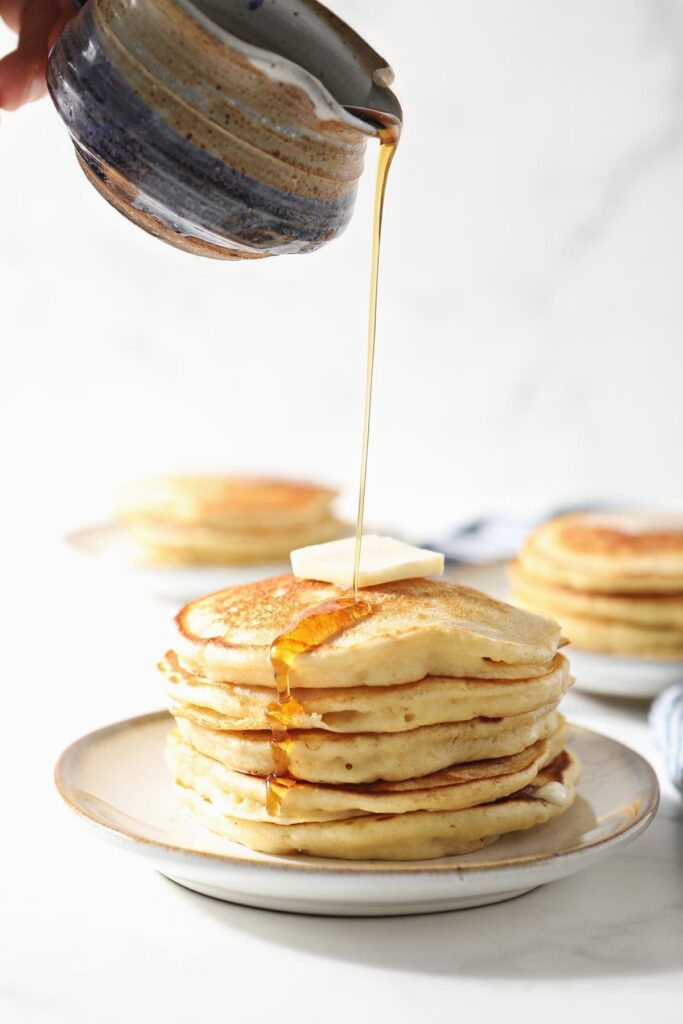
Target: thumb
(22, 73)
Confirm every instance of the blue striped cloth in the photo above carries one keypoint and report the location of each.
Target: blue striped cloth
(666, 719)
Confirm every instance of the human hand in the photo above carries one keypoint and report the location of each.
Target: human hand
(37, 23)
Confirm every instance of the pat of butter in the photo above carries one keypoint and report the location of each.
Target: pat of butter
(382, 560)
(552, 793)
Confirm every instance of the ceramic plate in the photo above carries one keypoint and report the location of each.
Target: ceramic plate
(107, 547)
(116, 780)
(616, 676)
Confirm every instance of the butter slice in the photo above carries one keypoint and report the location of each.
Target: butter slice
(552, 793)
(382, 560)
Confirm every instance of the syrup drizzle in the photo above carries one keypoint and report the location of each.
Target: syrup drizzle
(310, 630)
(320, 623)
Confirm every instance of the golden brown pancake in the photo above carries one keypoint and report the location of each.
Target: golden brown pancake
(658, 610)
(615, 637)
(224, 520)
(424, 728)
(433, 700)
(338, 758)
(462, 785)
(417, 628)
(610, 553)
(196, 544)
(237, 501)
(416, 835)
(614, 582)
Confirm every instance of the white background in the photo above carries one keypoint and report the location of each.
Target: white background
(531, 310)
(529, 351)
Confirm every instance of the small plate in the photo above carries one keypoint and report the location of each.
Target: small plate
(616, 676)
(116, 780)
(108, 547)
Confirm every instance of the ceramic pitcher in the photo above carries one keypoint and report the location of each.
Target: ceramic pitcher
(229, 128)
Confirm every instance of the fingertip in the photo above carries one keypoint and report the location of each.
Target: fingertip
(36, 89)
(20, 82)
(11, 90)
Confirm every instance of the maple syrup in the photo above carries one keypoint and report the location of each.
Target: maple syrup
(389, 135)
(314, 627)
(320, 623)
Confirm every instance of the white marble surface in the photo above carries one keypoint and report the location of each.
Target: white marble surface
(530, 316)
(529, 350)
(88, 933)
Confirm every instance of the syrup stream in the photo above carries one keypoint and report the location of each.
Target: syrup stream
(320, 623)
(389, 136)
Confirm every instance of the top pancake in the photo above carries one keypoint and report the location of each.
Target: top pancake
(417, 628)
(610, 553)
(228, 501)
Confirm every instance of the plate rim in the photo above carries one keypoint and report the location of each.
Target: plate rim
(631, 660)
(72, 542)
(335, 867)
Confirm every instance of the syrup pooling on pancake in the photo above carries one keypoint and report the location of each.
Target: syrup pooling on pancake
(309, 631)
(418, 628)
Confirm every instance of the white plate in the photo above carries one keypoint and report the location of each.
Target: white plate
(106, 547)
(617, 676)
(115, 779)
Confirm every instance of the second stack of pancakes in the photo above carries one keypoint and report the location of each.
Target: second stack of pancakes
(613, 580)
(212, 519)
(429, 728)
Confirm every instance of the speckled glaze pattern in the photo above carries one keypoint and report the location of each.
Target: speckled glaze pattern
(211, 143)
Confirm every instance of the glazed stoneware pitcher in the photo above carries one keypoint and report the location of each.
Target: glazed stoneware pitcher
(229, 128)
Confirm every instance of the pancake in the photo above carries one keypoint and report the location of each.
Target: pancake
(217, 545)
(244, 796)
(430, 701)
(614, 637)
(239, 502)
(658, 610)
(317, 756)
(417, 628)
(224, 520)
(615, 581)
(421, 727)
(608, 553)
(417, 835)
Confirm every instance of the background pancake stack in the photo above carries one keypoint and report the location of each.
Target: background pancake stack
(428, 728)
(614, 582)
(224, 520)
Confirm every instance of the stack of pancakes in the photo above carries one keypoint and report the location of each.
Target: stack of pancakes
(428, 728)
(224, 520)
(614, 581)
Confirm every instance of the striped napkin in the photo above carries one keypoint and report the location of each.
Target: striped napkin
(666, 719)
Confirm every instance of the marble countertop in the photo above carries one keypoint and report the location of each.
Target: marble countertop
(530, 311)
(530, 318)
(88, 933)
